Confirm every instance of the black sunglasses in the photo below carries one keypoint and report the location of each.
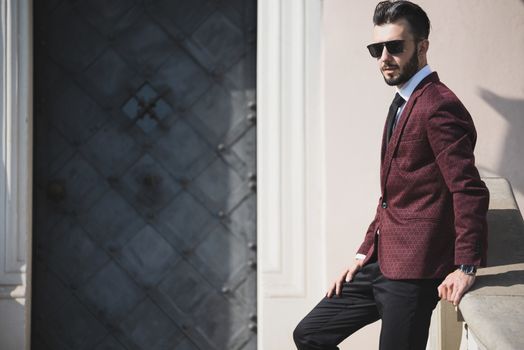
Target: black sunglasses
(394, 47)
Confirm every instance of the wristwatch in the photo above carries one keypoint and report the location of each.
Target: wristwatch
(468, 269)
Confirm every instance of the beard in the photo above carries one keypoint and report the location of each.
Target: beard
(405, 73)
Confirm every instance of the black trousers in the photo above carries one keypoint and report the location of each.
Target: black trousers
(405, 307)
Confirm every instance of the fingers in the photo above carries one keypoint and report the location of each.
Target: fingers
(443, 291)
(349, 275)
(440, 290)
(456, 294)
(353, 270)
(459, 291)
(330, 291)
(338, 287)
(455, 286)
(334, 289)
(446, 289)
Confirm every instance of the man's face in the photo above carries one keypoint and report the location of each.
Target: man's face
(399, 68)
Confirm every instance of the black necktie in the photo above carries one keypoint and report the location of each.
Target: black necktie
(392, 114)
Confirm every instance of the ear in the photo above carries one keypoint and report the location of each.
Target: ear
(423, 47)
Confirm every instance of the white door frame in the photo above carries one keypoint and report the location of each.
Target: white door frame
(16, 103)
(290, 159)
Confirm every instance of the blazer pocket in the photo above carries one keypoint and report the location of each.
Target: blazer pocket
(424, 219)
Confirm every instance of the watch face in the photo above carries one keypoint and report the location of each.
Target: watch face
(468, 269)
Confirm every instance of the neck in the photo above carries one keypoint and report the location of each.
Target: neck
(420, 66)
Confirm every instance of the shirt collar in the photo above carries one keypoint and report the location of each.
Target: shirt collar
(407, 89)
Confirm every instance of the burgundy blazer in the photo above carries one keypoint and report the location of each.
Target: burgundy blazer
(432, 212)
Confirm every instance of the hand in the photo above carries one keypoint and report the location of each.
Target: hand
(454, 286)
(346, 276)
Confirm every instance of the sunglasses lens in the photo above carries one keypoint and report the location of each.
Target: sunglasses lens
(375, 50)
(395, 47)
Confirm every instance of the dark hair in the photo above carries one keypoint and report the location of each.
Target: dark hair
(392, 11)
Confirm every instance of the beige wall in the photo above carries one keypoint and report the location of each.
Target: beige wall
(477, 47)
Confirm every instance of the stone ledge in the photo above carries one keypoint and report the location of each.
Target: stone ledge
(496, 321)
(493, 309)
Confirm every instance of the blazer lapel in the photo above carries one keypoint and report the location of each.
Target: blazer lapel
(388, 150)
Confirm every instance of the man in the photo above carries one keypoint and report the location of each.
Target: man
(429, 233)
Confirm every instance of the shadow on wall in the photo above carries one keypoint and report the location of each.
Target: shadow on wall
(512, 110)
(506, 243)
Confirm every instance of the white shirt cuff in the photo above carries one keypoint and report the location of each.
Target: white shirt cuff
(360, 256)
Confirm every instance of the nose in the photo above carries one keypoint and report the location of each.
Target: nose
(385, 54)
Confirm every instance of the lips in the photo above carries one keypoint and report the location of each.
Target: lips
(389, 68)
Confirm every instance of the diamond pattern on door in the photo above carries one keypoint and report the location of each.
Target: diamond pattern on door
(145, 175)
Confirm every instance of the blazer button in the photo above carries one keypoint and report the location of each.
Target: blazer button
(384, 205)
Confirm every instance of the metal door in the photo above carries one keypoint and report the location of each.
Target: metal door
(145, 203)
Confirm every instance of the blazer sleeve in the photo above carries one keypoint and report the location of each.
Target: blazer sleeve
(452, 137)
